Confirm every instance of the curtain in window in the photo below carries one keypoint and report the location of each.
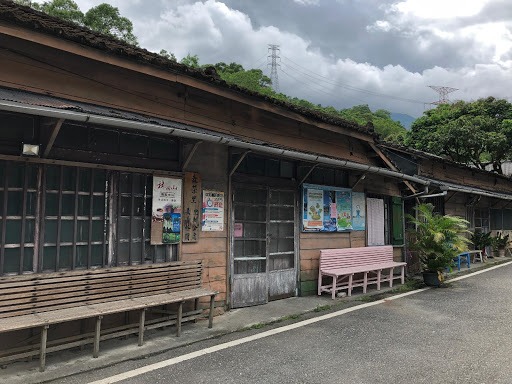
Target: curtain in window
(375, 221)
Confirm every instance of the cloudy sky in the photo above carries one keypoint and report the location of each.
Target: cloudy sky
(384, 53)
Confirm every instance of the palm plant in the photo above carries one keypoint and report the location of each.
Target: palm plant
(437, 239)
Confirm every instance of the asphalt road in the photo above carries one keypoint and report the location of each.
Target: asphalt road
(458, 334)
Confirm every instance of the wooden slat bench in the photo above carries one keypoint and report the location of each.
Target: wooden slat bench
(43, 300)
(340, 265)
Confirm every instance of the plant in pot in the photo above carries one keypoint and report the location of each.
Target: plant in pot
(437, 240)
(499, 243)
(481, 240)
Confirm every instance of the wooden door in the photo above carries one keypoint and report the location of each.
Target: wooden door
(263, 257)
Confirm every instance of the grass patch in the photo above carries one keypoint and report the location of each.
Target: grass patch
(321, 308)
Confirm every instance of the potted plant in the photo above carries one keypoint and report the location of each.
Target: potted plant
(437, 240)
(499, 243)
(481, 240)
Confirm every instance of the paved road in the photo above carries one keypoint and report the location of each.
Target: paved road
(459, 334)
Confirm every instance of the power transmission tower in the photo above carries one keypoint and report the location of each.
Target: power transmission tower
(272, 59)
(443, 94)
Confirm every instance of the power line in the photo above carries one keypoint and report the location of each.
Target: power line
(318, 77)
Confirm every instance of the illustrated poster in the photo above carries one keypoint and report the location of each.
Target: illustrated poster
(358, 211)
(166, 210)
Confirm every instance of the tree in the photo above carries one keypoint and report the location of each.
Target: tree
(476, 133)
(63, 9)
(167, 55)
(191, 61)
(106, 19)
(103, 18)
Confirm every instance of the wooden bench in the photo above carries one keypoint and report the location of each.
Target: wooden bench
(43, 300)
(341, 265)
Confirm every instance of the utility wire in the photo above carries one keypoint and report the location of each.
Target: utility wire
(317, 77)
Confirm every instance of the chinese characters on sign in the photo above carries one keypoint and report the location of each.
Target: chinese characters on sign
(213, 211)
(166, 211)
(191, 207)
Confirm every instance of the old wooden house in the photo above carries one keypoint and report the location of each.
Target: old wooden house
(91, 128)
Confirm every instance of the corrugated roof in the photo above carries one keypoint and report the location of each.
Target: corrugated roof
(41, 22)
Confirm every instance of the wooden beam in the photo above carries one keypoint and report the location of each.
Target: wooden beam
(391, 165)
(190, 155)
(235, 167)
(53, 136)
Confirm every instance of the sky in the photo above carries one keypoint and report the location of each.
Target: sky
(384, 53)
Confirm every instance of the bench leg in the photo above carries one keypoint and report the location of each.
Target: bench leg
(210, 317)
(378, 279)
(178, 319)
(403, 275)
(334, 283)
(350, 280)
(142, 319)
(365, 281)
(390, 277)
(42, 351)
(97, 333)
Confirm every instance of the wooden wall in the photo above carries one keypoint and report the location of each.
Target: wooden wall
(54, 72)
(210, 161)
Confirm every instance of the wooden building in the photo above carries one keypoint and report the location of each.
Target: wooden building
(275, 183)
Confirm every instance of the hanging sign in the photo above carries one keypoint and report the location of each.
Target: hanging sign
(166, 210)
(213, 211)
(191, 207)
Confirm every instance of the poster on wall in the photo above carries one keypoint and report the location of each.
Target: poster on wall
(326, 209)
(191, 207)
(166, 210)
(314, 209)
(358, 211)
(344, 210)
(213, 211)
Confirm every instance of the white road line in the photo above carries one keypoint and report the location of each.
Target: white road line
(303, 323)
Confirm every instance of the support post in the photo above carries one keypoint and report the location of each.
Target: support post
(178, 319)
(42, 352)
(142, 319)
(97, 333)
(210, 318)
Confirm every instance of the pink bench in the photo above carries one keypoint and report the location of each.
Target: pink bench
(342, 264)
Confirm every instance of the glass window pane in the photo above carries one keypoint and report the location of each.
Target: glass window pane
(12, 260)
(49, 257)
(138, 206)
(98, 206)
(14, 203)
(16, 175)
(52, 177)
(31, 203)
(137, 228)
(65, 257)
(279, 262)
(507, 219)
(97, 255)
(84, 207)
(97, 230)
(52, 204)
(126, 206)
(68, 205)
(30, 228)
(50, 231)
(122, 253)
(13, 232)
(100, 177)
(124, 228)
(81, 256)
(281, 213)
(82, 230)
(249, 266)
(125, 183)
(84, 184)
(68, 179)
(254, 230)
(28, 259)
(66, 231)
